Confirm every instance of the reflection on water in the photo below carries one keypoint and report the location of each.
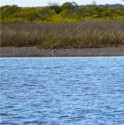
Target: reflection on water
(62, 91)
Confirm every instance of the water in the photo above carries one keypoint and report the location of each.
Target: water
(62, 91)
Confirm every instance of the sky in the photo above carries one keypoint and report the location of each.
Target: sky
(33, 3)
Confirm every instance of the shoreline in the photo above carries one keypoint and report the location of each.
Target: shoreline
(36, 52)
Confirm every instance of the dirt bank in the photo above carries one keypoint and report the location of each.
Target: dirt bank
(36, 52)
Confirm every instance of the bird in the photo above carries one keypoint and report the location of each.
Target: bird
(53, 51)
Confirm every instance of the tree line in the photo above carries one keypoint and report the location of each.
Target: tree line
(55, 13)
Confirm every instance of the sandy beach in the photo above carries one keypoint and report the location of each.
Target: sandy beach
(36, 52)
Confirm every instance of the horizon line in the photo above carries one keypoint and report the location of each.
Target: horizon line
(61, 4)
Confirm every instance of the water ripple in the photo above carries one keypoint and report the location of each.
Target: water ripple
(62, 91)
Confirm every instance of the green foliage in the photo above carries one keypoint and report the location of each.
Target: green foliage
(7, 11)
(47, 13)
(67, 12)
(70, 6)
(29, 14)
(55, 7)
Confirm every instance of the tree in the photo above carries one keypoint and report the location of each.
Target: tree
(69, 5)
(55, 7)
(9, 10)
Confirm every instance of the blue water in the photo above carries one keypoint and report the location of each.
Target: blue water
(62, 91)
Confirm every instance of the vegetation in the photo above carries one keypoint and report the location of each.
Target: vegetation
(87, 34)
(65, 26)
(54, 13)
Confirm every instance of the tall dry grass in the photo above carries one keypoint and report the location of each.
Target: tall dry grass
(76, 35)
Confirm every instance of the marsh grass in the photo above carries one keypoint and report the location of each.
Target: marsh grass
(86, 34)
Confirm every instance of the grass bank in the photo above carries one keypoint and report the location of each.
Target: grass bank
(86, 34)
